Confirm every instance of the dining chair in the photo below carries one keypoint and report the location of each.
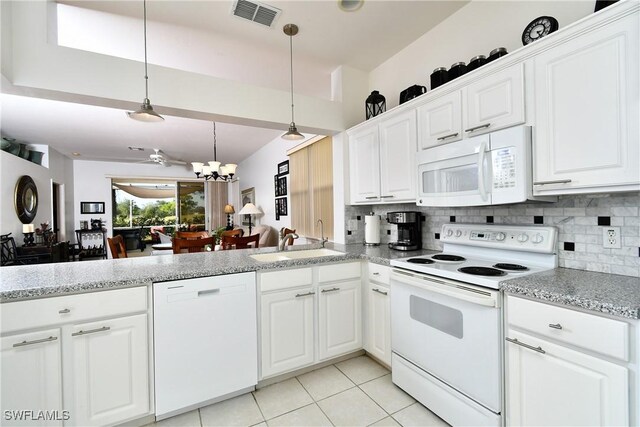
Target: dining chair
(238, 232)
(290, 239)
(192, 234)
(229, 242)
(193, 245)
(117, 247)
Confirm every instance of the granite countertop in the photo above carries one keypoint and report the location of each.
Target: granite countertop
(43, 280)
(600, 292)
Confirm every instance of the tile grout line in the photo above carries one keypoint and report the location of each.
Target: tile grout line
(315, 402)
(264, 419)
(200, 417)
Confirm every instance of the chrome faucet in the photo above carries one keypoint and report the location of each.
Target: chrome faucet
(323, 239)
(284, 238)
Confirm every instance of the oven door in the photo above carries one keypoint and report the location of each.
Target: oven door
(456, 174)
(451, 330)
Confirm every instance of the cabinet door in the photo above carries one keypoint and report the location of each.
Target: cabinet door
(398, 146)
(379, 322)
(440, 121)
(563, 386)
(287, 330)
(31, 377)
(495, 102)
(339, 319)
(586, 133)
(110, 362)
(364, 165)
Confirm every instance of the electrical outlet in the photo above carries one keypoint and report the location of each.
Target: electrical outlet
(611, 237)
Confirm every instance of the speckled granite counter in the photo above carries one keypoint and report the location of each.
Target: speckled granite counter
(37, 281)
(600, 292)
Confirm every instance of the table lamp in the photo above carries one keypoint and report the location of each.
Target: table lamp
(249, 209)
(229, 210)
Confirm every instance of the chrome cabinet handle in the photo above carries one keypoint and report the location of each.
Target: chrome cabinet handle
(90, 331)
(371, 197)
(530, 347)
(486, 125)
(555, 325)
(442, 138)
(557, 181)
(330, 290)
(376, 274)
(379, 291)
(305, 295)
(23, 343)
(208, 292)
(64, 311)
(387, 197)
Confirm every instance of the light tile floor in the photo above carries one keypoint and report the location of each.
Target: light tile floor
(355, 392)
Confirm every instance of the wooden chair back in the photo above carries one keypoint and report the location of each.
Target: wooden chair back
(192, 234)
(288, 231)
(238, 232)
(117, 247)
(192, 245)
(229, 242)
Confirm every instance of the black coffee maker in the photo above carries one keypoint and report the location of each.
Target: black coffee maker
(409, 230)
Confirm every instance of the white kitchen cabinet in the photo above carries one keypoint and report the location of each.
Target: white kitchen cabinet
(440, 121)
(378, 341)
(586, 109)
(110, 370)
(566, 367)
(562, 386)
(339, 318)
(31, 373)
(287, 330)
(382, 160)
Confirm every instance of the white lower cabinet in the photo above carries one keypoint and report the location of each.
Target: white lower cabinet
(553, 382)
(378, 341)
(31, 376)
(110, 370)
(339, 318)
(287, 330)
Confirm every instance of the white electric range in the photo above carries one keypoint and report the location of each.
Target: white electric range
(446, 316)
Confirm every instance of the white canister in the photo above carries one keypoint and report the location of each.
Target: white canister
(371, 229)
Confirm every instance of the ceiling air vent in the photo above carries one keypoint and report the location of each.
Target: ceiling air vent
(254, 11)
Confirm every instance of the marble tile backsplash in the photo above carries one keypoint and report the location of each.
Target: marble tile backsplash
(579, 219)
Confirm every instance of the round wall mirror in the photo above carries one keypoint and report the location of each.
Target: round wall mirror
(26, 199)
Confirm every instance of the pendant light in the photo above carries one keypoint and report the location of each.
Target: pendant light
(213, 170)
(145, 113)
(293, 134)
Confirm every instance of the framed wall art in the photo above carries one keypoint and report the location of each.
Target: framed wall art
(91, 207)
(283, 168)
(280, 184)
(281, 207)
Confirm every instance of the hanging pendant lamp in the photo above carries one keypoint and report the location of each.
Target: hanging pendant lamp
(145, 113)
(214, 169)
(293, 134)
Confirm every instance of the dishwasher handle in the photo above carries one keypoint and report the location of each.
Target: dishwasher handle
(208, 292)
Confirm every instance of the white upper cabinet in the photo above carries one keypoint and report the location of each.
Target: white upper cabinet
(364, 161)
(397, 157)
(382, 160)
(586, 108)
(494, 102)
(440, 121)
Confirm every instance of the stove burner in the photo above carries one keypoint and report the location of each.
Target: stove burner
(482, 271)
(447, 257)
(421, 260)
(512, 267)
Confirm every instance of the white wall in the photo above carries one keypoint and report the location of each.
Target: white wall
(475, 29)
(92, 185)
(59, 171)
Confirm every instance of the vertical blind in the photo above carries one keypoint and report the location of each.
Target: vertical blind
(311, 175)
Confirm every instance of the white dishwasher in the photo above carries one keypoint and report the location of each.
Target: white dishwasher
(205, 340)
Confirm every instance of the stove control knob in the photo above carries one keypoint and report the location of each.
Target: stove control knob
(449, 232)
(523, 237)
(458, 233)
(500, 236)
(538, 238)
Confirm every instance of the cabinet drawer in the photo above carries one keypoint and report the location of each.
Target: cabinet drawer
(379, 273)
(606, 336)
(330, 273)
(37, 313)
(283, 279)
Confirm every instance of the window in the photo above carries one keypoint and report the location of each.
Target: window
(311, 169)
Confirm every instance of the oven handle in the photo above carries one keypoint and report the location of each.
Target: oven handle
(458, 291)
(481, 177)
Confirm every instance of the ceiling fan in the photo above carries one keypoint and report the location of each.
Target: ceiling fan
(162, 159)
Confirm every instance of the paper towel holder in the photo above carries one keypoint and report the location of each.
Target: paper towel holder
(366, 231)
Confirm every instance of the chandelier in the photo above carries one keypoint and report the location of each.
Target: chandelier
(214, 170)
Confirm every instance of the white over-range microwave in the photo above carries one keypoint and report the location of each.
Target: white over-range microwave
(490, 169)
